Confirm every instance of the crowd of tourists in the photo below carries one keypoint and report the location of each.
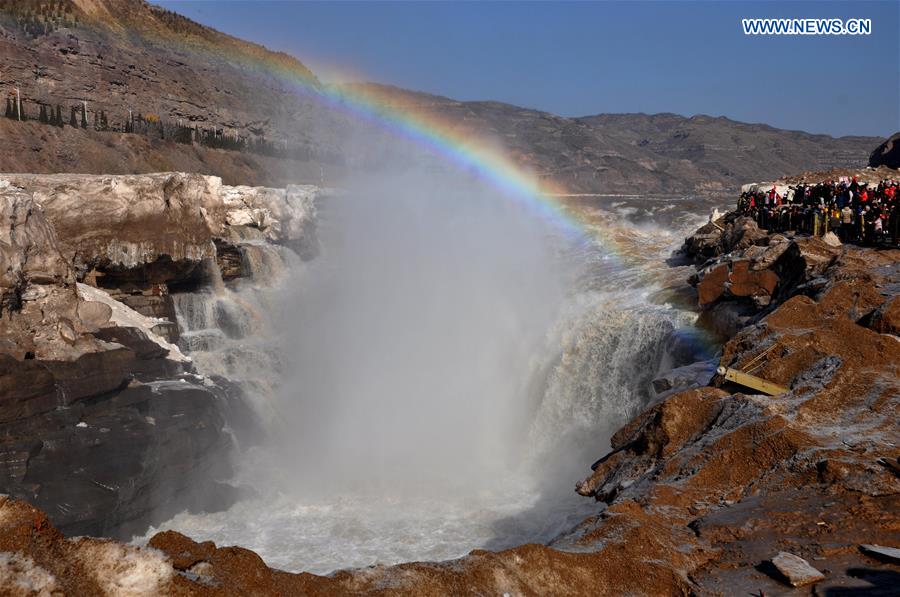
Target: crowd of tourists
(856, 212)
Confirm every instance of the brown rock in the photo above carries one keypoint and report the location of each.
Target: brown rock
(735, 279)
(891, 554)
(712, 285)
(796, 570)
(767, 256)
(741, 234)
(182, 550)
(886, 319)
(757, 284)
(94, 314)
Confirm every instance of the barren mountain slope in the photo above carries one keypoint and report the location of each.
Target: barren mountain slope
(639, 153)
(115, 56)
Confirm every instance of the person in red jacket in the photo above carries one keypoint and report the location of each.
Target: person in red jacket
(774, 198)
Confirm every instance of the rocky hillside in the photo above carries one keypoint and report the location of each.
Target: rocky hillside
(128, 64)
(121, 55)
(111, 56)
(38, 148)
(638, 153)
(104, 421)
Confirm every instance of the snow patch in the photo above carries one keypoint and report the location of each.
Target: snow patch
(19, 575)
(125, 570)
(125, 316)
(281, 213)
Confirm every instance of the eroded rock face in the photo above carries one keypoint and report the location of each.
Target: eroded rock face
(78, 386)
(104, 422)
(155, 221)
(128, 221)
(755, 270)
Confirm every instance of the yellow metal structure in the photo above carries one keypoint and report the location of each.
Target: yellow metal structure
(751, 381)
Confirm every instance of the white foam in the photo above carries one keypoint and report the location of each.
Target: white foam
(358, 530)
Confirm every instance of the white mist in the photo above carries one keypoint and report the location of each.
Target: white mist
(412, 338)
(449, 367)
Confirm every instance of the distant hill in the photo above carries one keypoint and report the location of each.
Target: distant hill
(121, 55)
(661, 153)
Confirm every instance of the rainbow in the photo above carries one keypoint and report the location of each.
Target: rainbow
(466, 152)
(429, 131)
(470, 154)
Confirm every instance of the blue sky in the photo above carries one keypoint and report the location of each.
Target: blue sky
(580, 58)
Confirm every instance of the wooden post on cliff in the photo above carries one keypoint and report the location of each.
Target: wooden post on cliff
(18, 104)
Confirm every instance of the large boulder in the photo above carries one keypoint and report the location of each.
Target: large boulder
(704, 243)
(729, 233)
(886, 319)
(804, 261)
(769, 269)
(742, 233)
(887, 154)
(736, 279)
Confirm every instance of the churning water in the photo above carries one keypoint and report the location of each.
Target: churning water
(441, 375)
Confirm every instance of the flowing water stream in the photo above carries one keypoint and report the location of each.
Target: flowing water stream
(442, 374)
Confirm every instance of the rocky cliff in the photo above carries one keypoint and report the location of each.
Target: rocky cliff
(104, 421)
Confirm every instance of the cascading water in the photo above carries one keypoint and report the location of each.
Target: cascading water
(437, 380)
(227, 329)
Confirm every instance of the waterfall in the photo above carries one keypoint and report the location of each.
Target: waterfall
(436, 380)
(609, 349)
(227, 327)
